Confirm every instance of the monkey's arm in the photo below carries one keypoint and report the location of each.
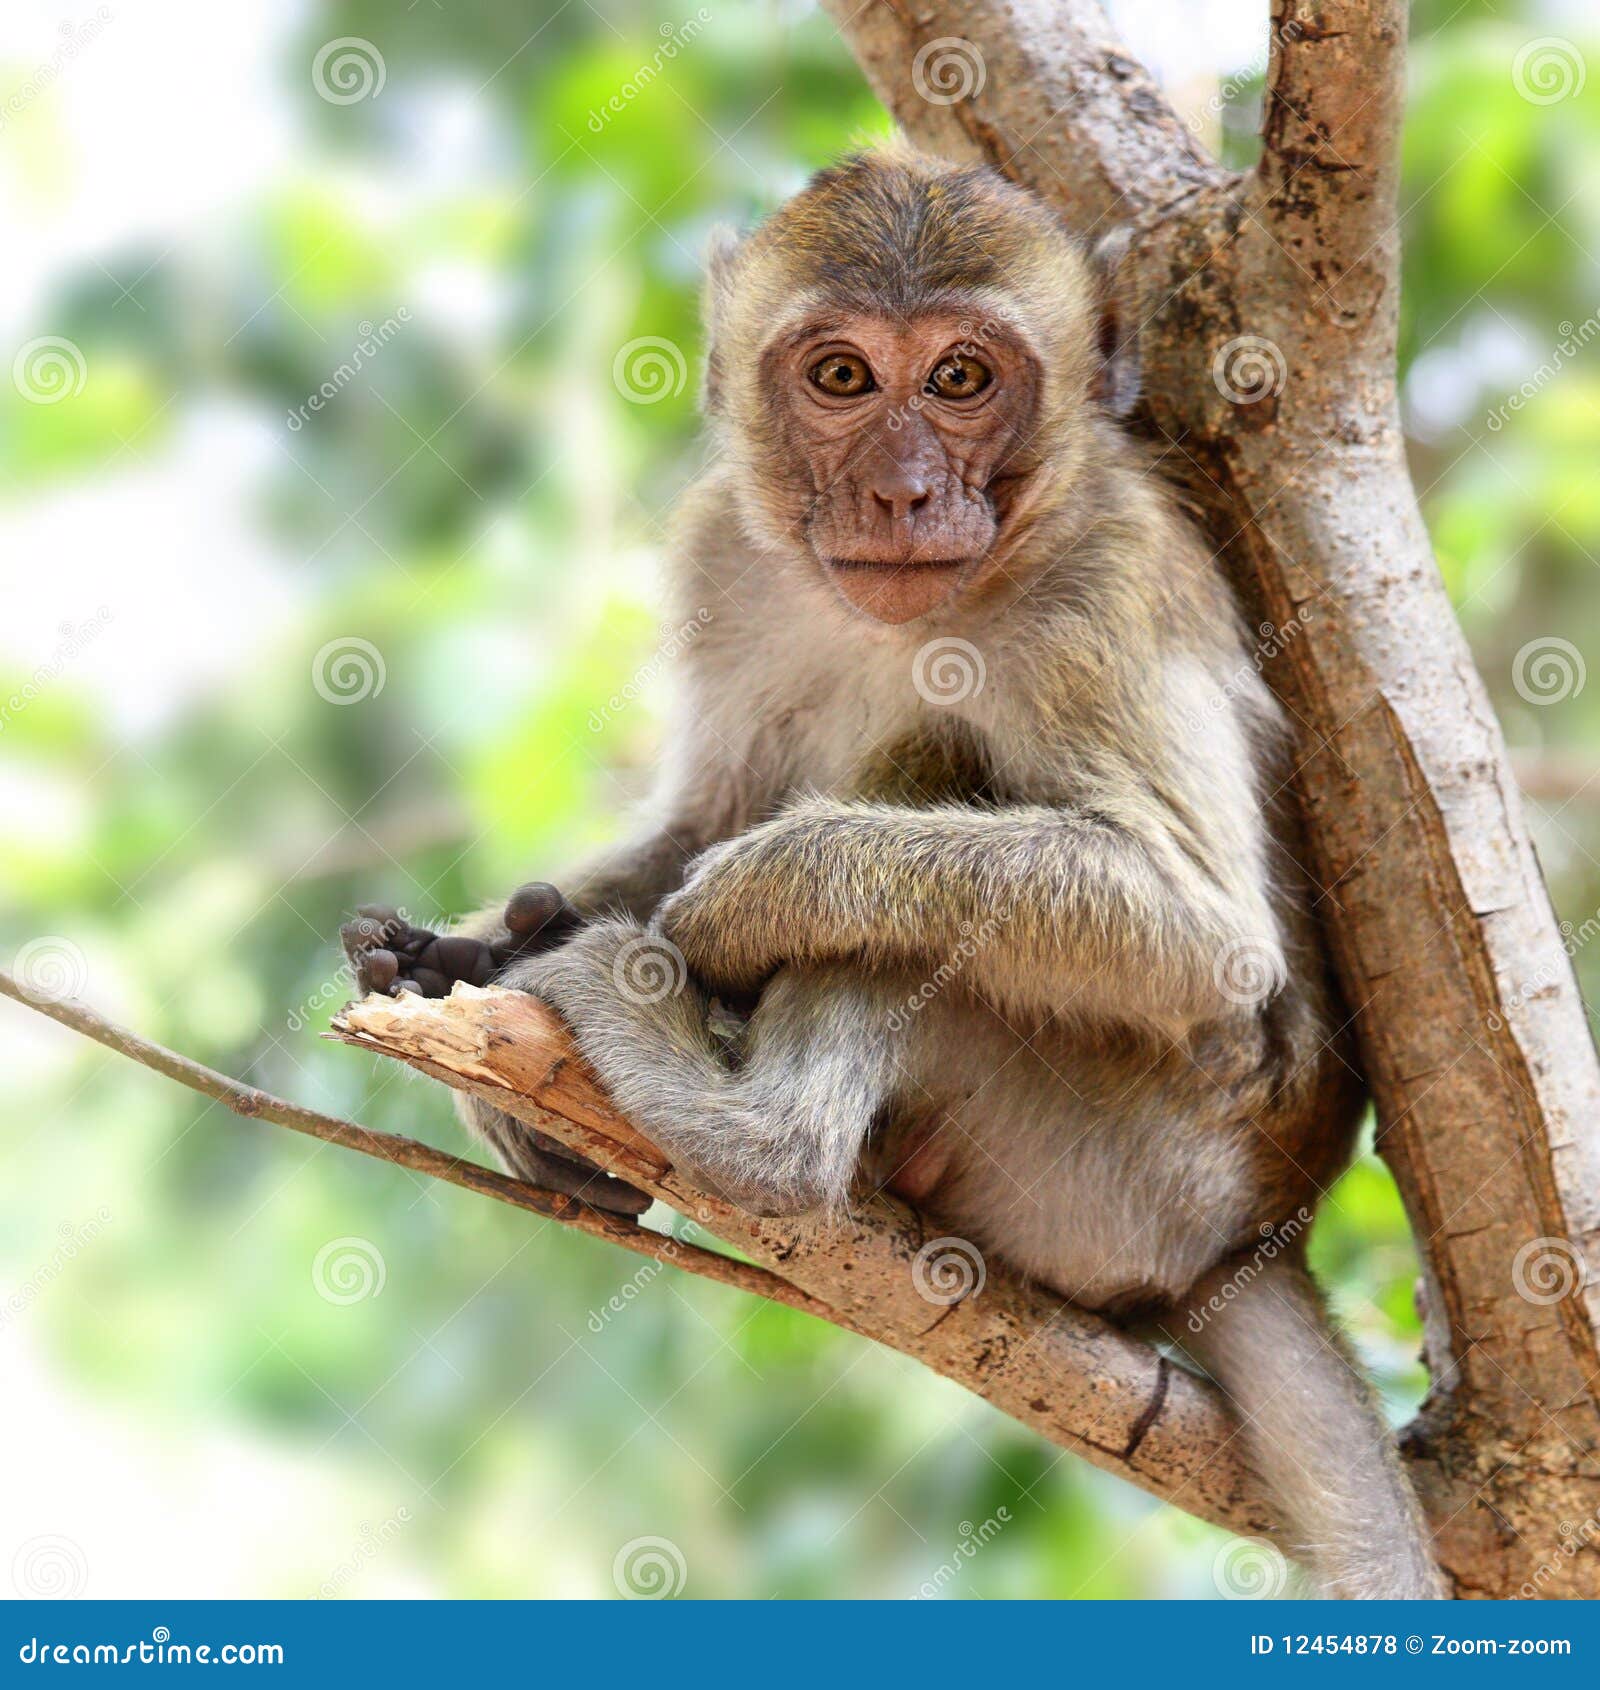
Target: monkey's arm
(1118, 910)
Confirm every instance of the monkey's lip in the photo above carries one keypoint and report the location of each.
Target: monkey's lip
(888, 566)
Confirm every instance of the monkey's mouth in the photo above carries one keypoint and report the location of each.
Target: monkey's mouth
(893, 566)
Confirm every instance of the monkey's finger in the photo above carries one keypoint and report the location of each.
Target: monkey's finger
(378, 971)
(537, 917)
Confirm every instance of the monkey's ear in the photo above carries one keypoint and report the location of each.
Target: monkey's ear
(1116, 379)
(722, 261)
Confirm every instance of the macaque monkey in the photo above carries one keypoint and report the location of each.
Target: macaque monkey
(973, 873)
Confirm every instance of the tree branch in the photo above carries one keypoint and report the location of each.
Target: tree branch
(1068, 1374)
(1268, 358)
(259, 1105)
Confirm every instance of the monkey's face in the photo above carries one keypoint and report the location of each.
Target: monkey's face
(901, 444)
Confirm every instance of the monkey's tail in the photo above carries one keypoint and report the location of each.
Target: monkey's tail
(1314, 1432)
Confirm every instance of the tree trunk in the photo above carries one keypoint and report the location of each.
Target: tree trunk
(1268, 346)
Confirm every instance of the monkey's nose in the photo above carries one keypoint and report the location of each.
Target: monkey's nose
(900, 494)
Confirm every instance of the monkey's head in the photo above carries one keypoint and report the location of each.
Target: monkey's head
(908, 361)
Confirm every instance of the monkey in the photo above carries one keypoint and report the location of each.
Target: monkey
(973, 873)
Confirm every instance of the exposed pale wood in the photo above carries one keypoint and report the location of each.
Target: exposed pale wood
(259, 1105)
(1470, 1024)
(1070, 1375)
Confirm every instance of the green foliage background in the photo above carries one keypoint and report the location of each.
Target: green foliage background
(482, 505)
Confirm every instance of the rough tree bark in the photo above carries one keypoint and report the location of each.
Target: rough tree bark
(1268, 347)
(1268, 344)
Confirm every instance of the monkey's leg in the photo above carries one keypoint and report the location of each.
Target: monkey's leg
(1313, 1430)
(390, 955)
(777, 1132)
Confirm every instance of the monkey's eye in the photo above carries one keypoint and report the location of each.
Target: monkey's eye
(842, 374)
(958, 377)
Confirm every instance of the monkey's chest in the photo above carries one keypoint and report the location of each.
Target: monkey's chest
(943, 762)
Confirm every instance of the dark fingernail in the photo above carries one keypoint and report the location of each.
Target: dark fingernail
(406, 986)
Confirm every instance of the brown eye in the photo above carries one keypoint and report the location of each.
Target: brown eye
(958, 377)
(842, 374)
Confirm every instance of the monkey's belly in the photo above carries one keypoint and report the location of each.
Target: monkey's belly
(1055, 1157)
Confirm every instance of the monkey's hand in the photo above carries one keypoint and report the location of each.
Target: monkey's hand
(391, 956)
(735, 920)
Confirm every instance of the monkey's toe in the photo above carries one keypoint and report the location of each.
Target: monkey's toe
(390, 956)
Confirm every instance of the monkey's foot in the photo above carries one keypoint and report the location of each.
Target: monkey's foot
(390, 955)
